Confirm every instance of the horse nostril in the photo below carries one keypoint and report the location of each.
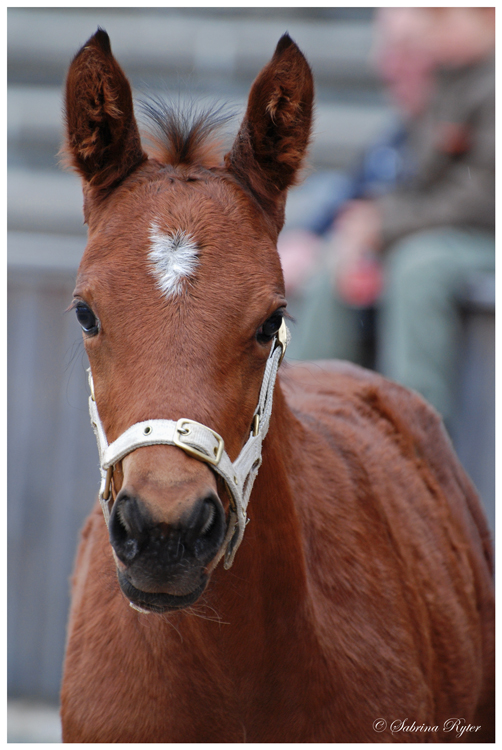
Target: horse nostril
(205, 525)
(209, 513)
(128, 527)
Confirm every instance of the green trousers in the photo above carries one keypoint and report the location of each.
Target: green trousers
(419, 324)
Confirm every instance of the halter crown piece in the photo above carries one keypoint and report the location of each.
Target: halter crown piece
(202, 443)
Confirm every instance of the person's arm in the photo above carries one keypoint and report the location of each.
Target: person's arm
(464, 196)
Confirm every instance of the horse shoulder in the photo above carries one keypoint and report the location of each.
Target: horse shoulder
(396, 547)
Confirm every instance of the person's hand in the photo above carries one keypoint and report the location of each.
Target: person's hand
(358, 275)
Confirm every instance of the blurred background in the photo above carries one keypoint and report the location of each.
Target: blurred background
(52, 457)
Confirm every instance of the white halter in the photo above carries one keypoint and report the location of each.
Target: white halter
(203, 443)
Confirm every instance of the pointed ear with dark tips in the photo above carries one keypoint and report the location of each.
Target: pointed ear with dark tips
(272, 142)
(102, 138)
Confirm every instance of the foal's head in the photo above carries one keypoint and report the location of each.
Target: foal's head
(179, 294)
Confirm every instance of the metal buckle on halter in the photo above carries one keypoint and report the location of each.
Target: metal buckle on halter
(282, 339)
(183, 428)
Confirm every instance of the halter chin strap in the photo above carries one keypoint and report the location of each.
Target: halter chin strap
(202, 443)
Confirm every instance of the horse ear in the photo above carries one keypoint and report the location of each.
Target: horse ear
(102, 138)
(272, 141)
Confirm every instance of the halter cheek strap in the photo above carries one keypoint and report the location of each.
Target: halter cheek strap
(202, 443)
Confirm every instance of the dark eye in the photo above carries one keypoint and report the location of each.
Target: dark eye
(86, 318)
(267, 331)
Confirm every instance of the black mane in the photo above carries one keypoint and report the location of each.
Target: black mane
(184, 134)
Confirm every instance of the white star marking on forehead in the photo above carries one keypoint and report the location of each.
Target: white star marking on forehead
(173, 258)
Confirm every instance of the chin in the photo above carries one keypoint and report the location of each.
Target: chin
(159, 602)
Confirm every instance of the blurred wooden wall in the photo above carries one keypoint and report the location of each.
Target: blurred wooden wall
(52, 472)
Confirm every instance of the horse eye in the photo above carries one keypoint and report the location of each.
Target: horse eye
(267, 331)
(87, 319)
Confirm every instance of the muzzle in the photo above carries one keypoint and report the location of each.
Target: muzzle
(202, 443)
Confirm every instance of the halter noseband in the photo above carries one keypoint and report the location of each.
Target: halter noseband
(202, 443)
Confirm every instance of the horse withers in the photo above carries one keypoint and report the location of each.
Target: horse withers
(290, 560)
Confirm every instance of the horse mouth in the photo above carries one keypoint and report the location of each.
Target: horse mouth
(158, 602)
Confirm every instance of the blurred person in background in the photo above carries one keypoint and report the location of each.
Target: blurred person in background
(408, 77)
(411, 249)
